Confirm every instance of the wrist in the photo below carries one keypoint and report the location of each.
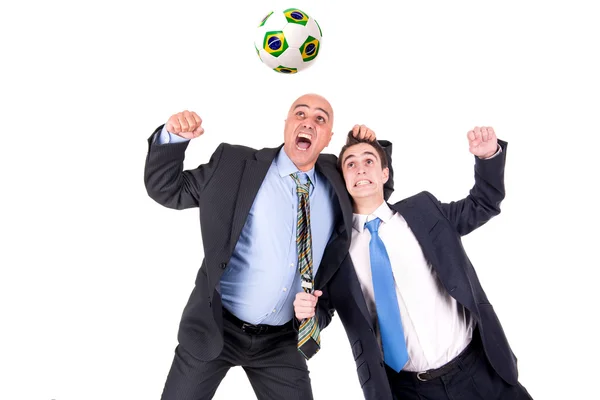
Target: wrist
(490, 154)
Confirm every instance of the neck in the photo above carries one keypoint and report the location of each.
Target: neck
(367, 205)
(305, 168)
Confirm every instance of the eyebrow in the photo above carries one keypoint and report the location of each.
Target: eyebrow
(365, 153)
(318, 108)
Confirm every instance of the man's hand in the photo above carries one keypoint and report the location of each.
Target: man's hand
(186, 124)
(305, 304)
(482, 141)
(363, 132)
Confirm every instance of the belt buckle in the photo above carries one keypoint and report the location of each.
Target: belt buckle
(249, 328)
(254, 329)
(419, 376)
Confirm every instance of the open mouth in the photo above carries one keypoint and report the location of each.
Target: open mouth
(303, 141)
(363, 182)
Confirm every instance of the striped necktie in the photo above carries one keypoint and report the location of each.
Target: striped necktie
(309, 341)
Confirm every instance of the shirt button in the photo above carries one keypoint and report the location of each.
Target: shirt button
(274, 310)
(291, 265)
(285, 289)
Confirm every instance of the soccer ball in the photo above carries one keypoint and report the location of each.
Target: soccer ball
(288, 41)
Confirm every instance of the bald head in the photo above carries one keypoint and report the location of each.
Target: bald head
(308, 130)
(317, 101)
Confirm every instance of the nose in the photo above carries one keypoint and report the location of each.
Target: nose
(307, 126)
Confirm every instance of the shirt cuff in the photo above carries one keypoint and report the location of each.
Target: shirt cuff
(495, 154)
(166, 137)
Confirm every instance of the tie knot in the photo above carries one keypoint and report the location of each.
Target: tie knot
(302, 181)
(373, 225)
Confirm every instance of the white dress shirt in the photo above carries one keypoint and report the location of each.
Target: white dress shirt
(436, 327)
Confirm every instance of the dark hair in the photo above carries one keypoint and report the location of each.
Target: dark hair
(353, 141)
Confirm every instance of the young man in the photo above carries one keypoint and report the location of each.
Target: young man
(419, 323)
(256, 207)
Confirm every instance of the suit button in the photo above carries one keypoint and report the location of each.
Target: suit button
(370, 330)
(223, 265)
(209, 304)
(381, 363)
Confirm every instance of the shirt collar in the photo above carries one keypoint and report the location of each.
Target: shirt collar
(383, 212)
(285, 167)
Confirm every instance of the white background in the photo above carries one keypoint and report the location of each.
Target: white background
(95, 275)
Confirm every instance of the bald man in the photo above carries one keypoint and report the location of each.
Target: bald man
(274, 222)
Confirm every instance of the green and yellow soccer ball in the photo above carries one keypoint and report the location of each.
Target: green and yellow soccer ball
(288, 41)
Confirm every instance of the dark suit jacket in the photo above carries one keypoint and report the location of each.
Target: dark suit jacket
(225, 189)
(438, 228)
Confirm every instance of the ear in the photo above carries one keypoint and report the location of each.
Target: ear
(386, 174)
(329, 140)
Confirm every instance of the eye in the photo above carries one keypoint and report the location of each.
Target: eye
(320, 119)
(300, 113)
(369, 162)
(350, 165)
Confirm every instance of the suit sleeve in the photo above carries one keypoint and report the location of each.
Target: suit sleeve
(324, 311)
(388, 187)
(483, 201)
(166, 181)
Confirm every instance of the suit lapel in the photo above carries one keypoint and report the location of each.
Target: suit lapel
(334, 254)
(421, 225)
(357, 293)
(337, 181)
(253, 176)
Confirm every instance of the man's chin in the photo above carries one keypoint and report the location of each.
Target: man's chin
(362, 193)
(308, 155)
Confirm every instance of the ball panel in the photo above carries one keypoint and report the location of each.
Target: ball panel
(286, 70)
(291, 58)
(275, 43)
(264, 20)
(260, 37)
(319, 26)
(268, 59)
(296, 16)
(309, 49)
(276, 22)
(295, 34)
(313, 29)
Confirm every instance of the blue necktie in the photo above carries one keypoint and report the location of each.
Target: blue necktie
(395, 354)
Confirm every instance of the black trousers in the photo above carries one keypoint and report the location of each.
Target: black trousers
(471, 378)
(272, 362)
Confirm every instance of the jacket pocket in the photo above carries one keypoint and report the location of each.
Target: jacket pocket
(357, 349)
(363, 373)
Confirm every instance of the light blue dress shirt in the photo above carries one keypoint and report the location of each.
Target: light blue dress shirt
(261, 280)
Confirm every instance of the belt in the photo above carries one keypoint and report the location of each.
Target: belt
(431, 374)
(255, 329)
